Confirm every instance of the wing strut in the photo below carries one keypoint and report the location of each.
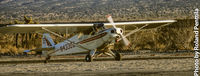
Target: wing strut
(138, 29)
(52, 32)
(164, 25)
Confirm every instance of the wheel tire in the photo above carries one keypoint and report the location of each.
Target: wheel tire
(47, 59)
(118, 56)
(88, 58)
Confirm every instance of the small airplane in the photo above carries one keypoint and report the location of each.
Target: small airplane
(100, 39)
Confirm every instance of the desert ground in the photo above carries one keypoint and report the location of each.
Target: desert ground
(103, 66)
(174, 66)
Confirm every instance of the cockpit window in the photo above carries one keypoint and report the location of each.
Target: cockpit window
(112, 31)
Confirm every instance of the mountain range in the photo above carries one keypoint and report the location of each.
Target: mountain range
(96, 10)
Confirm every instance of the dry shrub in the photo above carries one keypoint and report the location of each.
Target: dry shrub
(161, 47)
(147, 46)
(21, 50)
(14, 50)
(9, 49)
(137, 48)
(3, 51)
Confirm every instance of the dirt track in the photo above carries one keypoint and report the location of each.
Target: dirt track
(135, 65)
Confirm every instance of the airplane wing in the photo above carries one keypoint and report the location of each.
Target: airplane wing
(39, 28)
(139, 24)
(74, 28)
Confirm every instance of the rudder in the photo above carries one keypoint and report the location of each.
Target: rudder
(47, 41)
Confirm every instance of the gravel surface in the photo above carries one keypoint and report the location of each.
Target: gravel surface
(158, 65)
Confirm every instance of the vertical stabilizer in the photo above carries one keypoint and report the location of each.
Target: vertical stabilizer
(47, 41)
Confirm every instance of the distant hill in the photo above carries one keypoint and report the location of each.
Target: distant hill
(95, 10)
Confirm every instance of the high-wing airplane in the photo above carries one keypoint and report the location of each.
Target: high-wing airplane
(99, 39)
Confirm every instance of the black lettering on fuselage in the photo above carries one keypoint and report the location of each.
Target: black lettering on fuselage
(66, 47)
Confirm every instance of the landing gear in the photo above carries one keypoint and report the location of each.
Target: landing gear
(47, 59)
(118, 56)
(88, 58)
(115, 54)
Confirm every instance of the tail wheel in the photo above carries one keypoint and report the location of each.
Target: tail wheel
(88, 58)
(47, 59)
(118, 56)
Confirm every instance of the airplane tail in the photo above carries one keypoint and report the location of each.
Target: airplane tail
(47, 41)
(47, 44)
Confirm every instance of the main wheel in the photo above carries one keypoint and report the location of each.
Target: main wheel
(88, 58)
(118, 56)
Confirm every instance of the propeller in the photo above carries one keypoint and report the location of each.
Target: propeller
(123, 38)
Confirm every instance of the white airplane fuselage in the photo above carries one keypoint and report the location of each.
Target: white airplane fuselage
(85, 44)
